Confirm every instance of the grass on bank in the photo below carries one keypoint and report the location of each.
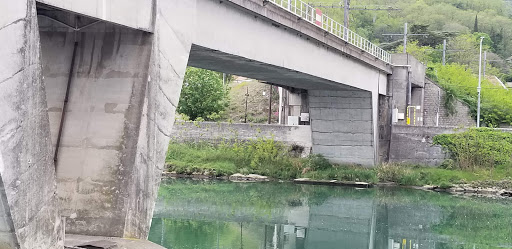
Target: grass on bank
(276, 160)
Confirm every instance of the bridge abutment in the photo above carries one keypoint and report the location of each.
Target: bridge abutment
(113, 127)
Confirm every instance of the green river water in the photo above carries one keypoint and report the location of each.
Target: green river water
(219, 214)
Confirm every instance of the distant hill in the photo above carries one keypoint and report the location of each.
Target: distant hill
(440, 18)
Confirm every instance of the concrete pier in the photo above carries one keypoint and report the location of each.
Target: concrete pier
(342, 126)
(29, 211)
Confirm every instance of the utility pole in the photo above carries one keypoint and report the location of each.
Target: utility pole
(405, 35)
(346, 13)
(270, 105)
(246, 96)
(444, 52)
(479, 89)
(405, 38)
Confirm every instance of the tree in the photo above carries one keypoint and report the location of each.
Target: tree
(475, 29)
(203, 94)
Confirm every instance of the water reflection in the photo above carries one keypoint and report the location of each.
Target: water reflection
(204, 215)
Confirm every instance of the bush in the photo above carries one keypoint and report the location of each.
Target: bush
(477, 148)
(401, 174)
(344, 173)
(390, 172)
(317, 162)
(261, 156)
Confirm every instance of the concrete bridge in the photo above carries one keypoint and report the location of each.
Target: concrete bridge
(88, 91)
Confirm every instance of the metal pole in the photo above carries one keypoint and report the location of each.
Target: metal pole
(241, 236)
(280, 111)
(346, 13)
(246, 96)
(479, 89)
(270, 105)
(444, 52)
(485, 62)
(405, 38)
(65, 105)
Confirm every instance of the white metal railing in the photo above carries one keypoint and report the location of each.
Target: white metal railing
(308, 13)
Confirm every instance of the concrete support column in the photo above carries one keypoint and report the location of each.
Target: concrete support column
(118, 120)
(172, 41)
(29, 215)
(343, 125)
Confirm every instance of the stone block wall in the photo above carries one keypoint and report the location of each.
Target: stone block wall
(433, 103)
(219, 132)
(414, 144)
(342, 126)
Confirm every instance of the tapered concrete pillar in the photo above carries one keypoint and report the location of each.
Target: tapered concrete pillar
(344, 125)
(28, 204)
(123, 92)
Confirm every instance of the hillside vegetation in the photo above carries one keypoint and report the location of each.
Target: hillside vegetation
(461, 23)
(438, 18)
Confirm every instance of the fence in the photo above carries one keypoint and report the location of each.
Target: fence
(309, 13)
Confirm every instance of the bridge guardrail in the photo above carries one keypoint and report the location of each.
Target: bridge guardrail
(309, 14)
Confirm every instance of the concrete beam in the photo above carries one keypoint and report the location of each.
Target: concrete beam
(136, 14)
(244, 37)
(287, 20)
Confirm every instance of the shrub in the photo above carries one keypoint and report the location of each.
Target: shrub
(317, 162)
(262, 156)
(401, 174)
(477, 148)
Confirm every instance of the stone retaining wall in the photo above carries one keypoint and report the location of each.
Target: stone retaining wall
(216, 132)
(414, 144)
(433, 103)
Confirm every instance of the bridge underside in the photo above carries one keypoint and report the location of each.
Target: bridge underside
(232, 64)
(342, 118)
(103, 97)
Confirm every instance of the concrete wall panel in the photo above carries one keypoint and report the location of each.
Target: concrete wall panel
(111, 68)
(343, 126)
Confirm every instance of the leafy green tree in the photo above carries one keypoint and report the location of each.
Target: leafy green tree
(203, 94)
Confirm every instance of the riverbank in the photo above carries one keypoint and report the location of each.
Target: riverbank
(268, 158)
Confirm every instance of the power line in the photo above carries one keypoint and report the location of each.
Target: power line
(405, 35)
(346, 7)
(360, 7)
(473, 87)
